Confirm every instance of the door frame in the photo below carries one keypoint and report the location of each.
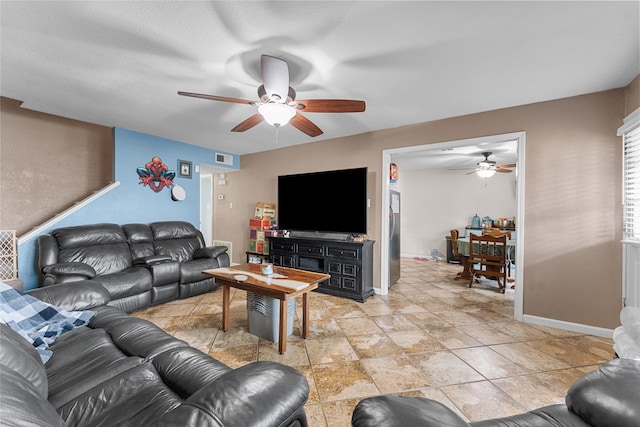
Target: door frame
(520, 137)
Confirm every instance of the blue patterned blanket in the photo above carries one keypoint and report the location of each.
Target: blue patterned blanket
(38, 322)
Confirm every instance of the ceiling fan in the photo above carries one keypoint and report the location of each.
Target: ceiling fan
(278, 105)
(487, 168)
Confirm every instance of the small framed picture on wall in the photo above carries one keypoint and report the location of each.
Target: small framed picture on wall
(184, 169)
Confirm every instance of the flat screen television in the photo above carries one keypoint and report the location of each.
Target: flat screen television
(331, 201)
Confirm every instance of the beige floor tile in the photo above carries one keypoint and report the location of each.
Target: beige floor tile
(415, 341)
(453, 338)
(528, 357)
(486, 334)
(374, 345)
(457, 318)
(426, 320)
(482, 400)
(315, 415)
(338, 414)
(358, 326)
(346, 380)
(520, 331)
(560, 380)
(324, 328)
(328, 350)
(235, 336)
(530, 391)
(237, 356)
(443, 368)
(570, 351)
(394, 323)
(394, 374)
(296, 354)
(307, 371)
(489, 363)
(376, 307)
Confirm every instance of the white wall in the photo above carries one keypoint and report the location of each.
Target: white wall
(436, 201)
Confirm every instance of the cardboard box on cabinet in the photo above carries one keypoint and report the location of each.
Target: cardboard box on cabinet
(265, 210)
(261, 224)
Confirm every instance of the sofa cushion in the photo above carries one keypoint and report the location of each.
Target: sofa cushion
(137, 397)
(126, 283)
(177, 239)
(140, 240)
(102, 246)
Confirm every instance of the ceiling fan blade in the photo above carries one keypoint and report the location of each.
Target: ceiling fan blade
(510, 165)
(248, 123)
(305, 125)
(503, 170)
(217, 98)
(275, 77)
(331, 106)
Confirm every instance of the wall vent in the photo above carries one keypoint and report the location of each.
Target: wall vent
(227, 244)
(224, 159)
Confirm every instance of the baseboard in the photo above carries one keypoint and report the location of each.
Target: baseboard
(569, 326)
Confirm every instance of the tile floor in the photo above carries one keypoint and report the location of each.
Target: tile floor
(431, 336)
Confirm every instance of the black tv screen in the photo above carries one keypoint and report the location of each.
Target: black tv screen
(330, 201)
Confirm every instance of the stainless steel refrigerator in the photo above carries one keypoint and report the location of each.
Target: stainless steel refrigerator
(394, 237)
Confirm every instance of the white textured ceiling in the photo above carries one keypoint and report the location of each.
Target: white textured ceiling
(121, 63)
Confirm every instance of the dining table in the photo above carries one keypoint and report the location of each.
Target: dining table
(463, 249)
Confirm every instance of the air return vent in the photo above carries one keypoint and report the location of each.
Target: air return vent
(224, 159)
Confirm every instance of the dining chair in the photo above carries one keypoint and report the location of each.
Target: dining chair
(496, 232)
(456, 254)
(488, 258)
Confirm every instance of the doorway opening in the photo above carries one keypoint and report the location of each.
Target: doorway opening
(434, 148)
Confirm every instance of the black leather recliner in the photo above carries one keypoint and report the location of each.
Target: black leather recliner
(139, 265)
(608, 396)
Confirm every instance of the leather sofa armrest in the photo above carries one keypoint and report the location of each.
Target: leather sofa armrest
(151, 260)
(210, 252)
(396, 411)
(237, 397)
(78, 269)
(73, 296)
(609, 395)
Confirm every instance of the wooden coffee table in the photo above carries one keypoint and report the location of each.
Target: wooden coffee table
(284, 284)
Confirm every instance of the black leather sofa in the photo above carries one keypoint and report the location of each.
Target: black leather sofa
(139, 264)
(608, 396)
(124, 371)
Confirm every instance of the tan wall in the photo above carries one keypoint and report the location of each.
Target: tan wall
(47, 163)
(572, 268)
(632, 96)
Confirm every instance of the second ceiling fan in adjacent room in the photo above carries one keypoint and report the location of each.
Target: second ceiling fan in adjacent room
(487, 168)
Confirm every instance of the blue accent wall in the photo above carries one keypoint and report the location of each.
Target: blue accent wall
(132, 202)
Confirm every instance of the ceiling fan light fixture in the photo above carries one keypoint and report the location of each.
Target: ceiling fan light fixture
(276, 114)
(485, 173)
